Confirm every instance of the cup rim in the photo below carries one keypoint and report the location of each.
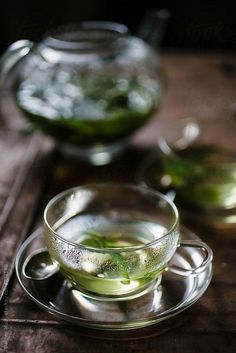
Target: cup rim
(161, 196)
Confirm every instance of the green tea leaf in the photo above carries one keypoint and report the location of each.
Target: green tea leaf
(121, 264)
(97, 240)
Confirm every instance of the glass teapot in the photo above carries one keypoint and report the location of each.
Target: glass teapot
(89, 85)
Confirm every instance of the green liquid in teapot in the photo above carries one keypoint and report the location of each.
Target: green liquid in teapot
(88, 109)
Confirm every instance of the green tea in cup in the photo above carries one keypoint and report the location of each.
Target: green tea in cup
(113, 241)
(198, 165)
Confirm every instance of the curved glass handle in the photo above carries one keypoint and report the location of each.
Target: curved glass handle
(194, 270)
(12, 55)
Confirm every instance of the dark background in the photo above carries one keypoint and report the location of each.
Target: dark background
(201, 25)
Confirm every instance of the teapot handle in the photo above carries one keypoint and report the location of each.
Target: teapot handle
(12, 55)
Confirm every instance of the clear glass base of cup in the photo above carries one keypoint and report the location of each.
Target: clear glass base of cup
(98, 155)
(151, 286)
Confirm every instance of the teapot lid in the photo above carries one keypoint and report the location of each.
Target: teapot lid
(84, 35)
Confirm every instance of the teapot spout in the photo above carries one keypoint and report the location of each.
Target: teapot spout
(153, 25)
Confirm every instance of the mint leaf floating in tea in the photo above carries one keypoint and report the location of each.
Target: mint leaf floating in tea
(121, 264)
(97, 240)
(94, 239)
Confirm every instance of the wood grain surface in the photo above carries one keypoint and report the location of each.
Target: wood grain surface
(32, 171)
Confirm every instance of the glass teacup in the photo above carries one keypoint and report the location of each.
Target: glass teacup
(195, 164)
(200, 160)
(113, 241)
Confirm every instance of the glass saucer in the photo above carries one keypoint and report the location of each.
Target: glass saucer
(176, 293)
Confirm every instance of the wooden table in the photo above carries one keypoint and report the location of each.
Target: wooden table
(31, 172)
